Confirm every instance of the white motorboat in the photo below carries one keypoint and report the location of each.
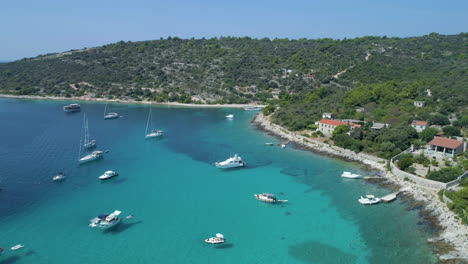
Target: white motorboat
(252, 108)
(88, 143)
(370, 199)
(269, 144)
(283, 145)
(350, 175)
(108, 175)
(93, 156)
(60, 176)
(110, 115)
(105, 221)
(266, 197)
(230, 116)
(151, 133)
(215, 240)
(232, 162)
(72, 108)
(19, 246)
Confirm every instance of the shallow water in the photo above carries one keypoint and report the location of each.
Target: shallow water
(178, 198)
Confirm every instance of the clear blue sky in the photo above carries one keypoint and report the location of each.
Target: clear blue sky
(33, 27)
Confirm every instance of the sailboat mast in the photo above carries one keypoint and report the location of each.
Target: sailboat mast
(147, 123)
(81, 137)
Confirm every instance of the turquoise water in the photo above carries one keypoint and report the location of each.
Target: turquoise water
(178, 198)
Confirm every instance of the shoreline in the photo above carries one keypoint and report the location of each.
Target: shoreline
(452, 231)
(121, 101)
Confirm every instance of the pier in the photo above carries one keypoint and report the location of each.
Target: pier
(390, 197)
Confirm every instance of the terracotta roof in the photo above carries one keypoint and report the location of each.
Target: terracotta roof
(419, 123)
(332, 122)
(337, 123)
(446, 142)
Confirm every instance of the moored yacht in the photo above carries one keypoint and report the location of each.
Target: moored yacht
(60, 176)
(232, 162)
(347, 174)
(90, 144)
(72, 108)
(111, 115)
(93, 156)
(108, 174)
(215, 240)
(105, 221)
(370, 199)
(231, 116)
(266, 197)
(154, 133)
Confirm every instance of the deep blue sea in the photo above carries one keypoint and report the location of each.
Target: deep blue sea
(178, 198)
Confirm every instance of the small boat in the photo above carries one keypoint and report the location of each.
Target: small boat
(129, 217)
(152, 133)
(72, 108)
(370, 199)
(105, 221)
(350, 175)
(93, 156)
(215, 240)
(232, 162)
(268, 198)
(283, 145)
(269, 144)
(60, 176)
(230, 116)
(19, 246)
(110, 115)
(108, 175)
(252, 108)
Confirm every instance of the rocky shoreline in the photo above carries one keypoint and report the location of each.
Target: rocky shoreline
(452, 240)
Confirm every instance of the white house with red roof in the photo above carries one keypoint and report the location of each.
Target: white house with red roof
(447, 146)
(419, 125)
(326, 126)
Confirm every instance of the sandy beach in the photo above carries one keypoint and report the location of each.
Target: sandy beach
(91, 99)
(453, 231)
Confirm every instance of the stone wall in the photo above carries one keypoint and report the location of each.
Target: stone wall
(422, 181)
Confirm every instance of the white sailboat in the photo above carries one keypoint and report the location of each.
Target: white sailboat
(110, 115)
(149, 124)
(97, 154)
(88, 143)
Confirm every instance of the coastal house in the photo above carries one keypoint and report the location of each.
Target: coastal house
(447, 146)
(378, 126)
(419, 125)
(327, 115)
(360, 110)
(326, 126)
(419, 103)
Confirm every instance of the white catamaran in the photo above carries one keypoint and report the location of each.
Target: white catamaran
(88, 143)
(110, 115)
(149, 124)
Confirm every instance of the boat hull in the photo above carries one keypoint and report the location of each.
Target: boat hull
(111, 116)
(229, 166)
(265, 200)
(89, 159)
(106, 177)
(153, 135)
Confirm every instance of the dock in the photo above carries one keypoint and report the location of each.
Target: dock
(390, 197)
